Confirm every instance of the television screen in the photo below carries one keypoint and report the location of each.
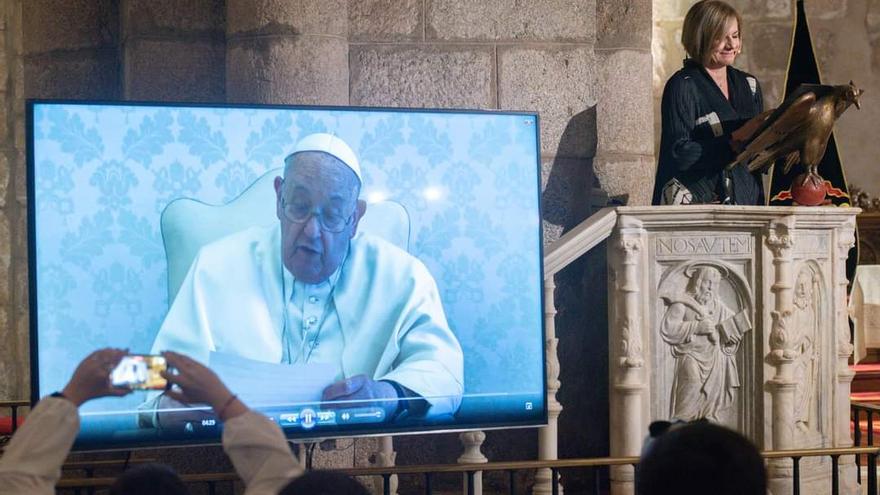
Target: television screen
(345, 271)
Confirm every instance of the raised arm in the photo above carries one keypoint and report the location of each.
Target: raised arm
(255, 445)
(32, 461)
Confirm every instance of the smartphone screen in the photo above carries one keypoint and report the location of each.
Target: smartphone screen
(139, 372)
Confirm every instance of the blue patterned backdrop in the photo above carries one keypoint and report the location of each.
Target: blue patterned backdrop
(103, 174)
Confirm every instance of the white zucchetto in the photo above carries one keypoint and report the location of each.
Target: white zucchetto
(332, 145)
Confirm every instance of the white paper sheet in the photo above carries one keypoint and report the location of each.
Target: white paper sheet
(261, 384)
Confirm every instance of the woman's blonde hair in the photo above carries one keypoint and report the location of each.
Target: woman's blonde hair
(704, 25)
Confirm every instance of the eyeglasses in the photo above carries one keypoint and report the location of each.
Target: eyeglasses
(329, 222)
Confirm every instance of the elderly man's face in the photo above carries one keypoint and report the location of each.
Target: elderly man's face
(706, 286)
(324, 186)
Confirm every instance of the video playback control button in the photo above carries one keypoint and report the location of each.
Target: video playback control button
(308, 418)
(361, 415)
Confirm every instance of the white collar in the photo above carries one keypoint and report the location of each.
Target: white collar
(289, 281)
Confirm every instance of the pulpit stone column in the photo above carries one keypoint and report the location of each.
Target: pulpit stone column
(842, 435)
(628, 407)
(782, 348)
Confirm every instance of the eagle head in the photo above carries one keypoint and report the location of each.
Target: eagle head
(851, 94)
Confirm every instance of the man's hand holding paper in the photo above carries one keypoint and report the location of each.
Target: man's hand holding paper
(361, 391)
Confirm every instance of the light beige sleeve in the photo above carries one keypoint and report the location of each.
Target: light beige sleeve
(31, 463)
(260, 453)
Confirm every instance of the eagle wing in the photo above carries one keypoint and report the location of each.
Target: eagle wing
(775, 138)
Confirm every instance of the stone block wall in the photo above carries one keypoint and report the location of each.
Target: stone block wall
(846, 39)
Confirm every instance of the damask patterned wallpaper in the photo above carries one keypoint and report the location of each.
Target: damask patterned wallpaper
(103, 174)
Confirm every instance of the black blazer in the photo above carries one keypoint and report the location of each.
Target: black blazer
(697, 121)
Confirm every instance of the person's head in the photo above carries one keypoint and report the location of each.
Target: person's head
(148, 479)
(324, 483)
(318, 207)
(711, 33)
(704, 283)
(698, 458)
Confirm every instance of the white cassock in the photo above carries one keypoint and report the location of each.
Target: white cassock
(388, 315)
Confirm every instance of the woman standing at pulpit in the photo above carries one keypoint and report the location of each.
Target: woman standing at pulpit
(709, 109)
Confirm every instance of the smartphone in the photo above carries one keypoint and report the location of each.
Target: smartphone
(139, 372)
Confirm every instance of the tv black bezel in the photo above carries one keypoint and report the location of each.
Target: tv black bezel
(36, 394)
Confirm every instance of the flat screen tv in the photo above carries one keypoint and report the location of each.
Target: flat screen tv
(151, 228)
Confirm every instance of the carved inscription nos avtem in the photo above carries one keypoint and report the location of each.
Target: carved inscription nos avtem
(697, 245)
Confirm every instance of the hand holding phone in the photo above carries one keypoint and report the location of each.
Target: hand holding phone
(91, 380)
(140, 372)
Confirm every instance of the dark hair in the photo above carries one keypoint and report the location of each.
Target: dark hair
(699, 458)
(324, 483)
(149, 479)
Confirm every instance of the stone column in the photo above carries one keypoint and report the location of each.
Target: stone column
(780, 242)
(845, 239)
(287, 52)
(624, 163)
(71, 49)
(628, 418)
(173, 51)
(548, 436)
(13, 209)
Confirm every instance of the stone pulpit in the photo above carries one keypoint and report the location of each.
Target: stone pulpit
(736, 314)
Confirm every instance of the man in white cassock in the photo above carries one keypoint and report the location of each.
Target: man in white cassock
(311, 289)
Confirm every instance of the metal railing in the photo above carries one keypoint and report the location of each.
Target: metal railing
(14, 406)
(868, 411)
(469, 471)
(864, 448)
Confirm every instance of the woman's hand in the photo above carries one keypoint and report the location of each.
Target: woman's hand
(199, 385)
(744, 133)
(92, 377)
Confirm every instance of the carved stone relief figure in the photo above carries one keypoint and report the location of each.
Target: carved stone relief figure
(704, 335)
(806, 366)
